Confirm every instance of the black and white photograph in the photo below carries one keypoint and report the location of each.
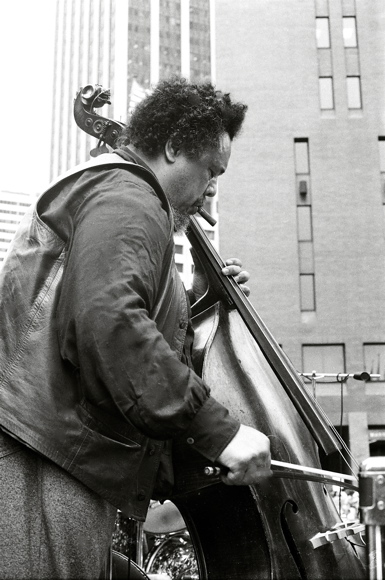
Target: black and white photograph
(192, 290)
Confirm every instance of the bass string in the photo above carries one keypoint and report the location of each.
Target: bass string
(215, 256)
(337, 435)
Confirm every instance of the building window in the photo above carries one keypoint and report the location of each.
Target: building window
(377, 440)
(349, 31)
(353, 87)
(322, 32)
(301, 150)
(179, 267)
(374, 358)
(326, 93)
(178, 249)
(306, 259)
(307, 292)
(381, 149)
(323, 358)
(304, 223)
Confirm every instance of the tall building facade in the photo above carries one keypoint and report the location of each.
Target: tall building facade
(304, 193)
(13, 206)
(118, 43)
(127, 46)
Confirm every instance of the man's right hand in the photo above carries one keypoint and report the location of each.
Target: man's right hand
(247, 457)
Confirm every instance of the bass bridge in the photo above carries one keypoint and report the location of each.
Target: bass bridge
(340, 531)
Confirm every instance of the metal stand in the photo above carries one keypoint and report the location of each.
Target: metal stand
(372, 507)
(339, 377)
(108, 565)
(139, 544)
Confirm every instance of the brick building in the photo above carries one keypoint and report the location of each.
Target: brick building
(304, 194)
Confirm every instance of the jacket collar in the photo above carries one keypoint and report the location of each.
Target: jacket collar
(129, 155)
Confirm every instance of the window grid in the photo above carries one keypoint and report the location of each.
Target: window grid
(352, 60)
(325, 78)
(349, 33)
(304, 225)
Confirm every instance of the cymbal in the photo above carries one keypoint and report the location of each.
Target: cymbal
(163, 518)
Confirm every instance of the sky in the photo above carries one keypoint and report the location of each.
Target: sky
(26, 63)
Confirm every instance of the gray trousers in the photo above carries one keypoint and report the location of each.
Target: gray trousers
(51, 525)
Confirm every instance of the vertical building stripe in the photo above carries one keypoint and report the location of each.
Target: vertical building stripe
(154, 52)
(185, 38)
(120, 89)
(212, 42)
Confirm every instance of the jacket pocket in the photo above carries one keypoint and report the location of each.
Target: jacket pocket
(115, 460)
(109, 426)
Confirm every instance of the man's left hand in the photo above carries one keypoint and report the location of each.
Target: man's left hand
(234, 268)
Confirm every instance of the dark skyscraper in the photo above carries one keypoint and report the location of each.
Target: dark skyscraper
(118, 43)
(127, 46)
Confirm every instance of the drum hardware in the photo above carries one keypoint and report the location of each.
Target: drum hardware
(163, 518)
(172, 554)
(139, 544)
(172, 557)
(372, 508)
(160, 548)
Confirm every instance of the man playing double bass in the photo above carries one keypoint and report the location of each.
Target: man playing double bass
(95, 341)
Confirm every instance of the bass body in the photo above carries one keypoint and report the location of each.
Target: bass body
(263, 531)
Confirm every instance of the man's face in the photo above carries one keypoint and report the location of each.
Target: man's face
(192, 180)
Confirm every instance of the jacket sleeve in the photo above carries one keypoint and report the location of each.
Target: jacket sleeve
(113, 270)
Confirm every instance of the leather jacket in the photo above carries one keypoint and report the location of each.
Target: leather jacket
(53, 394)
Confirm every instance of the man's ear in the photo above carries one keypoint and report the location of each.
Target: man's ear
(170, 152)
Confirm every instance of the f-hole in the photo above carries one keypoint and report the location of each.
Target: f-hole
(291, 505)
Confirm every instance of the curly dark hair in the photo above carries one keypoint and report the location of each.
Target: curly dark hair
(191, 116)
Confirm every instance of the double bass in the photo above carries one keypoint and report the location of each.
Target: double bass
(286, 526)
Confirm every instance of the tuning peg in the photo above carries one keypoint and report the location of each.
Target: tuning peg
(99, 150)
(95, 96)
